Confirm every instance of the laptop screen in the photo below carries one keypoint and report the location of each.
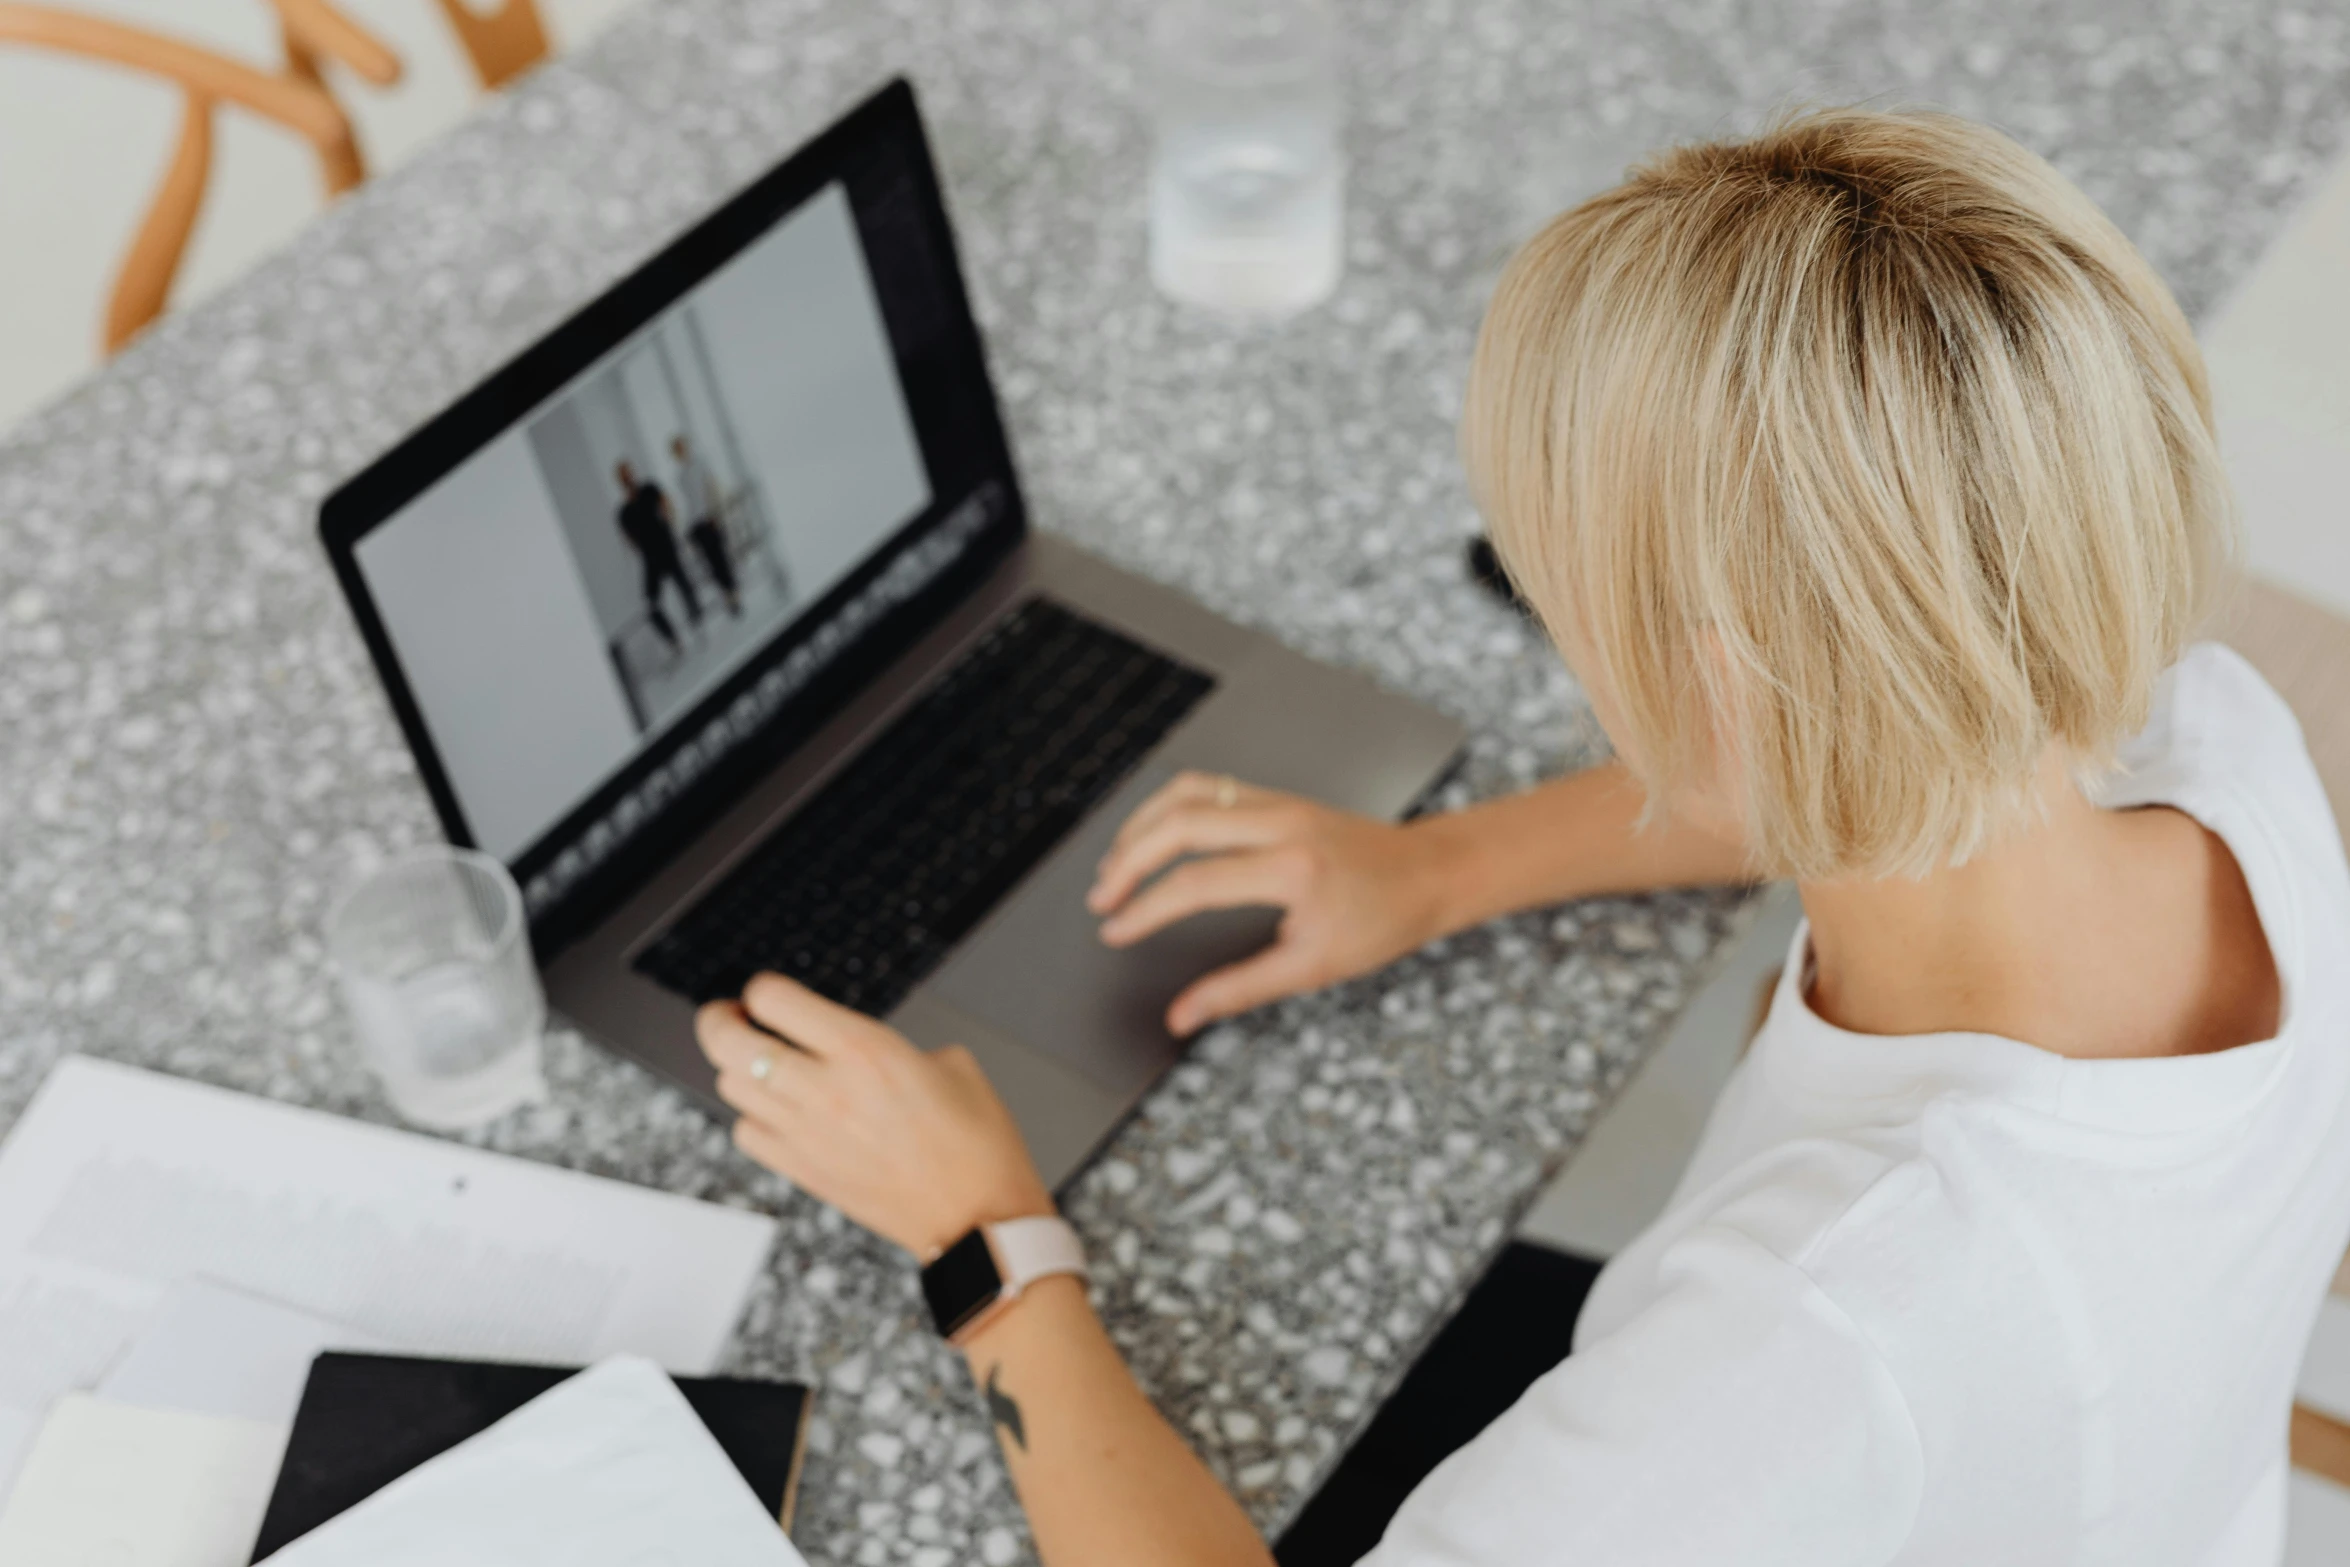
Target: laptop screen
(567, 594)
(641, 568)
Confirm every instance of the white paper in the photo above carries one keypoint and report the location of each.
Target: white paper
(117, 1184)
(62, 1327)
(212, 1350)
(609, 1469)
(140, 1488)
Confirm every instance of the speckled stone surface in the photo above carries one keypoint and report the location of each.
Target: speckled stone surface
(194, 756)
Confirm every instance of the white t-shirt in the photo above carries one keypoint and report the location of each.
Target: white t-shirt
(1951, 1299)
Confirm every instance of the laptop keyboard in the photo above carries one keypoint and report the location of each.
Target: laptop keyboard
(867, 886)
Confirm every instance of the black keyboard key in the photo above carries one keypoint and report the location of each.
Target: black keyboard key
(864, 890)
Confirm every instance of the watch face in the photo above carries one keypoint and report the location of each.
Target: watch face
(962, 1283)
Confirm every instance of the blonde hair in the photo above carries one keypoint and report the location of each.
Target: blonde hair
(1867, 449)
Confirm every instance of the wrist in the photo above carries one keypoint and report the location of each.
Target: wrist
(1067, 1288)
(1453, 892)
(991, 1269)
(1023, 1200)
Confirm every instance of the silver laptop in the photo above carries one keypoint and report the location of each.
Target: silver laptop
(716, 615)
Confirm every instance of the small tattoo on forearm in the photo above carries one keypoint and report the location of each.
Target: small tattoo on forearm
(1003, 1411)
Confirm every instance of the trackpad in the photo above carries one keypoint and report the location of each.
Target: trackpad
(1040, 973)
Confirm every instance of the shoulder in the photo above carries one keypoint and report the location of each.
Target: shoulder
(2221, 745)
(1905, 1247)
(1941, 1250)
(1946, 1266)
(2214, 722)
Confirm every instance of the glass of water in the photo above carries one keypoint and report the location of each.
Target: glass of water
(433, 956)
(1248, 179)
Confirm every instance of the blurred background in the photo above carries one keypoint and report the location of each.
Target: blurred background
(86, 143)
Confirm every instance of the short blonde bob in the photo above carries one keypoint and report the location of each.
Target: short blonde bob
(1866, 454)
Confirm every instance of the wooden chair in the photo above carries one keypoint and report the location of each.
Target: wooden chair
(295, 96)
(502, 43)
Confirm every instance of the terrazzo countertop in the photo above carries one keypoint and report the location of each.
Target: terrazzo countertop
(194, 756)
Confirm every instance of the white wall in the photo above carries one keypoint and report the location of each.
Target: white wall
(104, 136)
(2279, 353)
(526, 710)
(797, 343)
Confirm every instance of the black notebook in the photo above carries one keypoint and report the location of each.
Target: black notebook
(366, 1420)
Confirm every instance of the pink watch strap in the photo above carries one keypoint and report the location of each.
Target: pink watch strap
(1030, 1249)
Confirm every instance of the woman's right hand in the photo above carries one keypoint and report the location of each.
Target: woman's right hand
(1355, 893)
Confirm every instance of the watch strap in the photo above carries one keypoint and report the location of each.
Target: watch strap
(1034, 1248)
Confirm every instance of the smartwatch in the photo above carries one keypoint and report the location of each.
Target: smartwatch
(985, 1271)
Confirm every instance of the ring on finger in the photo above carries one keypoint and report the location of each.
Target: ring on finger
(1227, 792)
(763, 1065)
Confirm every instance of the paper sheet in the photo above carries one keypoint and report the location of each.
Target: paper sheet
(60, 1330)
(140, 1488)
(609, 1469)
(117, 1184)
(212, 1350)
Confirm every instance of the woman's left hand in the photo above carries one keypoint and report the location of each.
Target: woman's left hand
(913, 1145)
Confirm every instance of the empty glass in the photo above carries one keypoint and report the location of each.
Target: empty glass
(434, 960)
(1248, 179)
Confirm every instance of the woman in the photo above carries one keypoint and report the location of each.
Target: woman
(1864, 475)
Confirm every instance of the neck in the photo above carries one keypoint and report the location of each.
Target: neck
(2068, 934)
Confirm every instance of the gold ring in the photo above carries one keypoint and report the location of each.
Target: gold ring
(1227, 792)
(762, 1064)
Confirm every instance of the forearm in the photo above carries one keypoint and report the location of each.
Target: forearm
(1101, 1474)
(1575, 837)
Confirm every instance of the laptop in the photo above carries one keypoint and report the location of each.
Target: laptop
(716, 616)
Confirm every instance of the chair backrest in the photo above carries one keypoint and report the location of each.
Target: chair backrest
(2302, 649)
(502, 43)
(294, 96)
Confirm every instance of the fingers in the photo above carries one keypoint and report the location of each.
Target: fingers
(960, 1062)
(729, 1039)
(794, 1012)
(1191, 788)
(757, 1073)
(1265, 878)
(1182, 789)
(1184, 829)
(776, 1102)
(1277, 971)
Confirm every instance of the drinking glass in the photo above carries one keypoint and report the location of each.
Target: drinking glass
(1247, 179)
(433, 956)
